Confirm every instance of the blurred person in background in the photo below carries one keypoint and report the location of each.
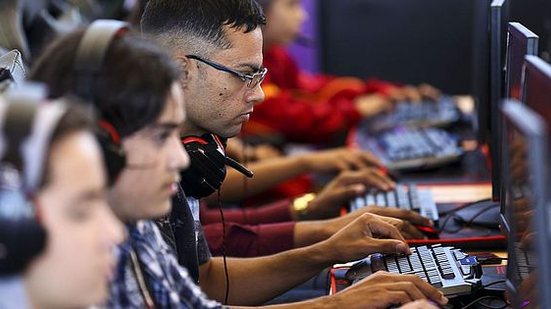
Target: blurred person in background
(58, 252)
(310, 108)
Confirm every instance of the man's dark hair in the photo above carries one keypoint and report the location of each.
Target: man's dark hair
(202, 20)
(131, 87)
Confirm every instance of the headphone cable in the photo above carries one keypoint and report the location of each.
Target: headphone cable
(224, 258)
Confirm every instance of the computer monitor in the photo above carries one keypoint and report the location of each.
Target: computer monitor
(520, 42)
(481, 68)
(536, 85)
(499, 15)
(525, 176)
(536, 82)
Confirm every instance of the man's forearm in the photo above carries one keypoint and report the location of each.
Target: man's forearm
(307, 233)
(267, 174)
(254, 281)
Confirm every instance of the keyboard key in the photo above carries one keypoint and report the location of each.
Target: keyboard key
(458, 255)
(404, 265)
(391, 198)
(434, 279)
(447, 273)
(380, 199)
(437, 284)
(391, 265)
(370, 199)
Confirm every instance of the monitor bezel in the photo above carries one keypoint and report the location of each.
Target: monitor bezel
(498, 20)
(534, 129)
(517, 32)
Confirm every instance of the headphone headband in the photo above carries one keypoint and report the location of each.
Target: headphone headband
(95, 43)
(89, 59)
(92, 50)
(26, 132)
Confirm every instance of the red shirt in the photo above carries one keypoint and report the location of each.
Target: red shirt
(306, 108)
(250, 232)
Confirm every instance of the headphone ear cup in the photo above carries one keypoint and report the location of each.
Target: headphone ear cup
(207, 170)
(114, 156)
(22, 237)
(20, 241)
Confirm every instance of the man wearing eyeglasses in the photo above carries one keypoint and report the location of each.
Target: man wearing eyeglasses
(219, 46)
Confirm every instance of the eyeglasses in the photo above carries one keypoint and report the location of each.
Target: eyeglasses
(252, 80)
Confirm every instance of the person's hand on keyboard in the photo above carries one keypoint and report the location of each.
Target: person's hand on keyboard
(383, 290)
(339, 159)
(420, 304)
(429, 92)
(366, 235)
(413, 217)
(344, 187)
(407, 228)
(373, 104)
(414, 94)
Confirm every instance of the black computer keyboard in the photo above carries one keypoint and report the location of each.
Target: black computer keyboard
(405, 196)
(446, 268)
(418, 114)
(413, 148)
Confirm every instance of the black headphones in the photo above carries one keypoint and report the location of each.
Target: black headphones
(24, 144)
(89, 58)
(208, 161)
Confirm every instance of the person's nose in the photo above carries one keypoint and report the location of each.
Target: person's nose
(112, 229)
(179, 159)
(255, 95)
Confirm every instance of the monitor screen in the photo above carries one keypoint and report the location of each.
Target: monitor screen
(524, 157)
(536, 86)
(520, 42)
(498, 21)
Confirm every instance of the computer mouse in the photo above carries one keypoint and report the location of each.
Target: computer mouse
(429, 231)
(358, 271)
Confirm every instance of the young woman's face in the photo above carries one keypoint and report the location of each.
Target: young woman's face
(78, 262)
(284, 19)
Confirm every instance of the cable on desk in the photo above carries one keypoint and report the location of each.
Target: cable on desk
(482, 211)
(480, 303)
(480, 299)
(493, 283)
(463, 206)
(452, 214)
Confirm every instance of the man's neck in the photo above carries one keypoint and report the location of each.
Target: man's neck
(189, 129)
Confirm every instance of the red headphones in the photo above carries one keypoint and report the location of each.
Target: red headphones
(207, 170)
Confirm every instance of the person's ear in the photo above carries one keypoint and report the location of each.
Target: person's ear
(186, 68)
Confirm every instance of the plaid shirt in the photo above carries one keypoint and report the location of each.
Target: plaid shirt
(169, 284)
